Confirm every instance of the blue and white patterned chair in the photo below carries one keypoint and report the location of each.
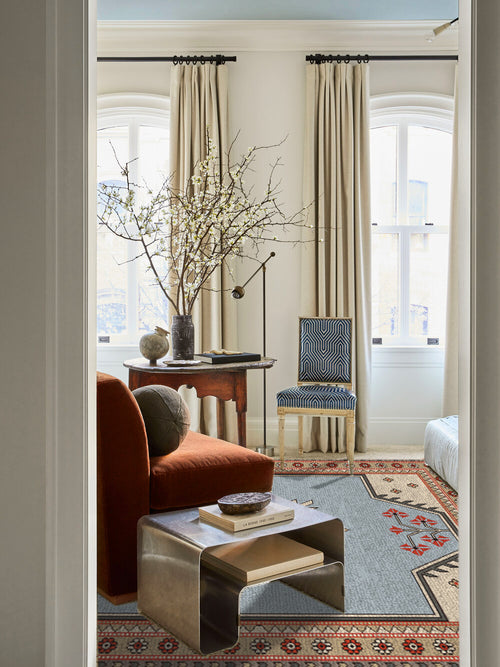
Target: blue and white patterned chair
(325, 378)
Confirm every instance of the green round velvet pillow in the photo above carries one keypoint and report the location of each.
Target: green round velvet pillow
(165, 415)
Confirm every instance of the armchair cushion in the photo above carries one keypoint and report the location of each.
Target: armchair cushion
(165, 415)
(204, 469)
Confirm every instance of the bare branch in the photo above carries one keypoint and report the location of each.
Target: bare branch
(199, 227)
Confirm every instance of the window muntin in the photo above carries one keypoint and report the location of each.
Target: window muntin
(411, 183)
(129, 302)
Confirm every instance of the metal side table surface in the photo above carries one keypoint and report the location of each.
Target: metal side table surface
(200, 605)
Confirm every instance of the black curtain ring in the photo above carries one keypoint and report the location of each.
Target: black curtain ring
(175, 60)
(366, 58)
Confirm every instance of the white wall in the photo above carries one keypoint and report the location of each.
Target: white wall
(266, 103)
(22, 327)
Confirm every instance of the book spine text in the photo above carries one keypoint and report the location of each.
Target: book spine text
(264, 520)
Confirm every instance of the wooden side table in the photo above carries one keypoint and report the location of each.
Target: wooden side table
(227, 382)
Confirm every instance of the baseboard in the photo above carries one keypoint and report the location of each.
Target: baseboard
(397, 431)
(391, 431)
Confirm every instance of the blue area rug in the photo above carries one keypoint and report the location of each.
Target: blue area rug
(401, 578)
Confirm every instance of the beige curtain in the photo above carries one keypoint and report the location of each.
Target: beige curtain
(450, 388)
(336, 261)
(198, 103)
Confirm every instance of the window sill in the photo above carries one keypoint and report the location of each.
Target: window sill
(408, 356)
(408, 348)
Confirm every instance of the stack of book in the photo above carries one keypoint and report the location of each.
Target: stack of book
(261, 558)
(227, 357)
(272, 513)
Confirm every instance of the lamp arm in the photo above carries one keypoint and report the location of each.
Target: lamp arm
(273, 254)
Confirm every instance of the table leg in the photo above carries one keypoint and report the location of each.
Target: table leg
(240, 399)
(242, 428)
(221, 428)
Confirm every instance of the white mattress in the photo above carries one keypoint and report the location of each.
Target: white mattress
(441, 448)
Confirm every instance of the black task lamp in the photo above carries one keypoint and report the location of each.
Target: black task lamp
(238, 293)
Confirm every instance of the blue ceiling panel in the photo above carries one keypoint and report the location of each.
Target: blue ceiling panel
(186, 10)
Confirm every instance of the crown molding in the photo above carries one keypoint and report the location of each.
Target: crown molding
(155, 38)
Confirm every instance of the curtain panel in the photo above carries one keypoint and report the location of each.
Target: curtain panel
(198, 105)
(336, 253)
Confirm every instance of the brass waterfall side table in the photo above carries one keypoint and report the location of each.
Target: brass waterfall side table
(200, 605)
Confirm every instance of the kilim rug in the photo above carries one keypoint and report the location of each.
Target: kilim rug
(401, 579)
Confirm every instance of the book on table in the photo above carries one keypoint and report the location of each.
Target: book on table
(262, 557)
(272, 513)
(227, 358)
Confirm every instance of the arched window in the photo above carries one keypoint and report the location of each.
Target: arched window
(130, 128)
(411, 153)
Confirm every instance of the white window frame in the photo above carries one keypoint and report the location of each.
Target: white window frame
(433, 111)
(132, 109)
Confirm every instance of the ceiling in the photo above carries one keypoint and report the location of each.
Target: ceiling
(188, 10)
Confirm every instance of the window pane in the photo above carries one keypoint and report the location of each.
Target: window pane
(429, 175)
(383, 158)
(385, 285)
(428, 275)
(153, 169)
(112, 272)
(153, 155)
(111, 140)
(152, 303)
(111, 283)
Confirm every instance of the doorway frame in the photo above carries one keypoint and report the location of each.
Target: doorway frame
(71, 543)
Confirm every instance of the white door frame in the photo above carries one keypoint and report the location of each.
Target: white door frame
(71, 545)
(70, 638)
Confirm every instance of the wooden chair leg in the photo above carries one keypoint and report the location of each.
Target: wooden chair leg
(350, 436)
(282, 436)
(301, 442)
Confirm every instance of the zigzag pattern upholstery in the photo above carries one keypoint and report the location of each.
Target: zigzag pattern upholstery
(317, 396)
(324, 350)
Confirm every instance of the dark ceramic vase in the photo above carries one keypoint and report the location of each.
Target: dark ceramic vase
(182, 337)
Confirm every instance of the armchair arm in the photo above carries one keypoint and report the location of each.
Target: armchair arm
(122, 486)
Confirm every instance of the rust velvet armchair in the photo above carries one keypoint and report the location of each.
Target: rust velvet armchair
(130, 484)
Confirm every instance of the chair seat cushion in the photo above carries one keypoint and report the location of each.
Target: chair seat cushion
(203, 469)
(315, 396)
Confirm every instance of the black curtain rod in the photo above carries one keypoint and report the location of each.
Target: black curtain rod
(177, 60)
(318, 58)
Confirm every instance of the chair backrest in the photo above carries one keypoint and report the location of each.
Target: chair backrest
(325, 349)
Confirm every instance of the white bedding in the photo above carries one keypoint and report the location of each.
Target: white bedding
(441, 448)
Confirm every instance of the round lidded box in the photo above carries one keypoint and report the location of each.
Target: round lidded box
(244, 503)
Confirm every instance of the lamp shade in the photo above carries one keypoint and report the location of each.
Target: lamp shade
(238, 292)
